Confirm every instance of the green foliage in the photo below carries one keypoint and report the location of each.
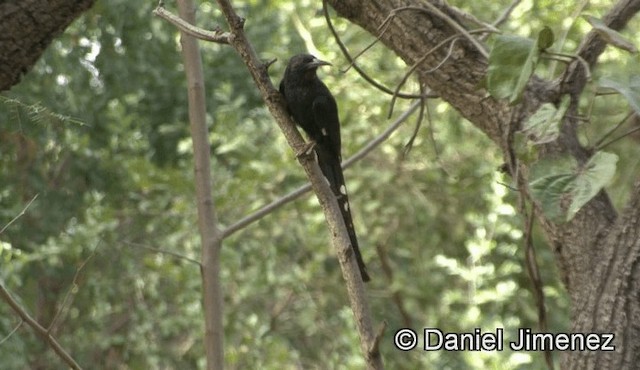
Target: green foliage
(562, 187)
(512, 61)
(544, 125)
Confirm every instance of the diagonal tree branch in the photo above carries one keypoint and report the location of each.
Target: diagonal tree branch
(39, 329)
(337, 228)
(363, 152)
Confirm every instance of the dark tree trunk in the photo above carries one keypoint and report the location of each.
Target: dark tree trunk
(27, 28)
(598, 251)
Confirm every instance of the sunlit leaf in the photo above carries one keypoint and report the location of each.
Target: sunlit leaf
(592, 177)
(512, 62)
(562, 187)
(551, 186)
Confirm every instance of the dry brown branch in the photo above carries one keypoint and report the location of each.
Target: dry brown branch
(210, 235)
(40, 331)
(217, 35)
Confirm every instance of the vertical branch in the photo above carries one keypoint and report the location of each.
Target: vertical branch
(210, 235)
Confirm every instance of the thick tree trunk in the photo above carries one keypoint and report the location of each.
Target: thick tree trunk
(27, 28)
(598, 251)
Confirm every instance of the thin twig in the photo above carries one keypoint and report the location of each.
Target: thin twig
(12, 332)
(533, 271)
(217, 35)
(163, 251)
(614, 129)
(360, 71)
(72, 290)
(558, 57)
(415, 66)
(409, 144)
(618, 138)
(370, 146)
(455, 25)
(40, 331)
(396, 296)
(506, 14)
(19, 214)
(471, 18)
(565, 32)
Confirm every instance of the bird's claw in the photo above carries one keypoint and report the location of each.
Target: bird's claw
(307, 149)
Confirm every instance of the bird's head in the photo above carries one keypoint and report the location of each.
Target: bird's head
(305, 64)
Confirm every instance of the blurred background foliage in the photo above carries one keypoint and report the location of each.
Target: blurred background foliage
(98, 131)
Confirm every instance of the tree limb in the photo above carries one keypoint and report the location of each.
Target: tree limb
(41, 331)
(210, 235)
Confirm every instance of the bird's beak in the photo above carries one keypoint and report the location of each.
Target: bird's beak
(318, 63)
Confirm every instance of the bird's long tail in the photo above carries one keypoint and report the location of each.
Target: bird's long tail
(330, 165)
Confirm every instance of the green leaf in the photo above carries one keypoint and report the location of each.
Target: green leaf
(545, 38)
(629, 88)
(562, 187)
(512, 62)
(611, 36)
(593, 176)
(550, 186)
(507, 63)
(544, 125)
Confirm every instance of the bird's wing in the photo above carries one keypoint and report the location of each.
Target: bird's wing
(325, 114)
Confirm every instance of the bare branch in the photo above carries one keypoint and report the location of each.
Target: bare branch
(40, 331)
(612, 130)
(629, 132)
(217, 35)
(163, 251)
(72, 290)
(396, 296)
(12, 332)
(505, 15)
(210, 235)
(533, 271)
(19, 214)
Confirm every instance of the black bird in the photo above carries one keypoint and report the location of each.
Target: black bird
(314, 109)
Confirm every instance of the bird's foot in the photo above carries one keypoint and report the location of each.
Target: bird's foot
(306, 150)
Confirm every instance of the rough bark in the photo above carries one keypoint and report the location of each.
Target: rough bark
(27, 28)
(598, 251)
